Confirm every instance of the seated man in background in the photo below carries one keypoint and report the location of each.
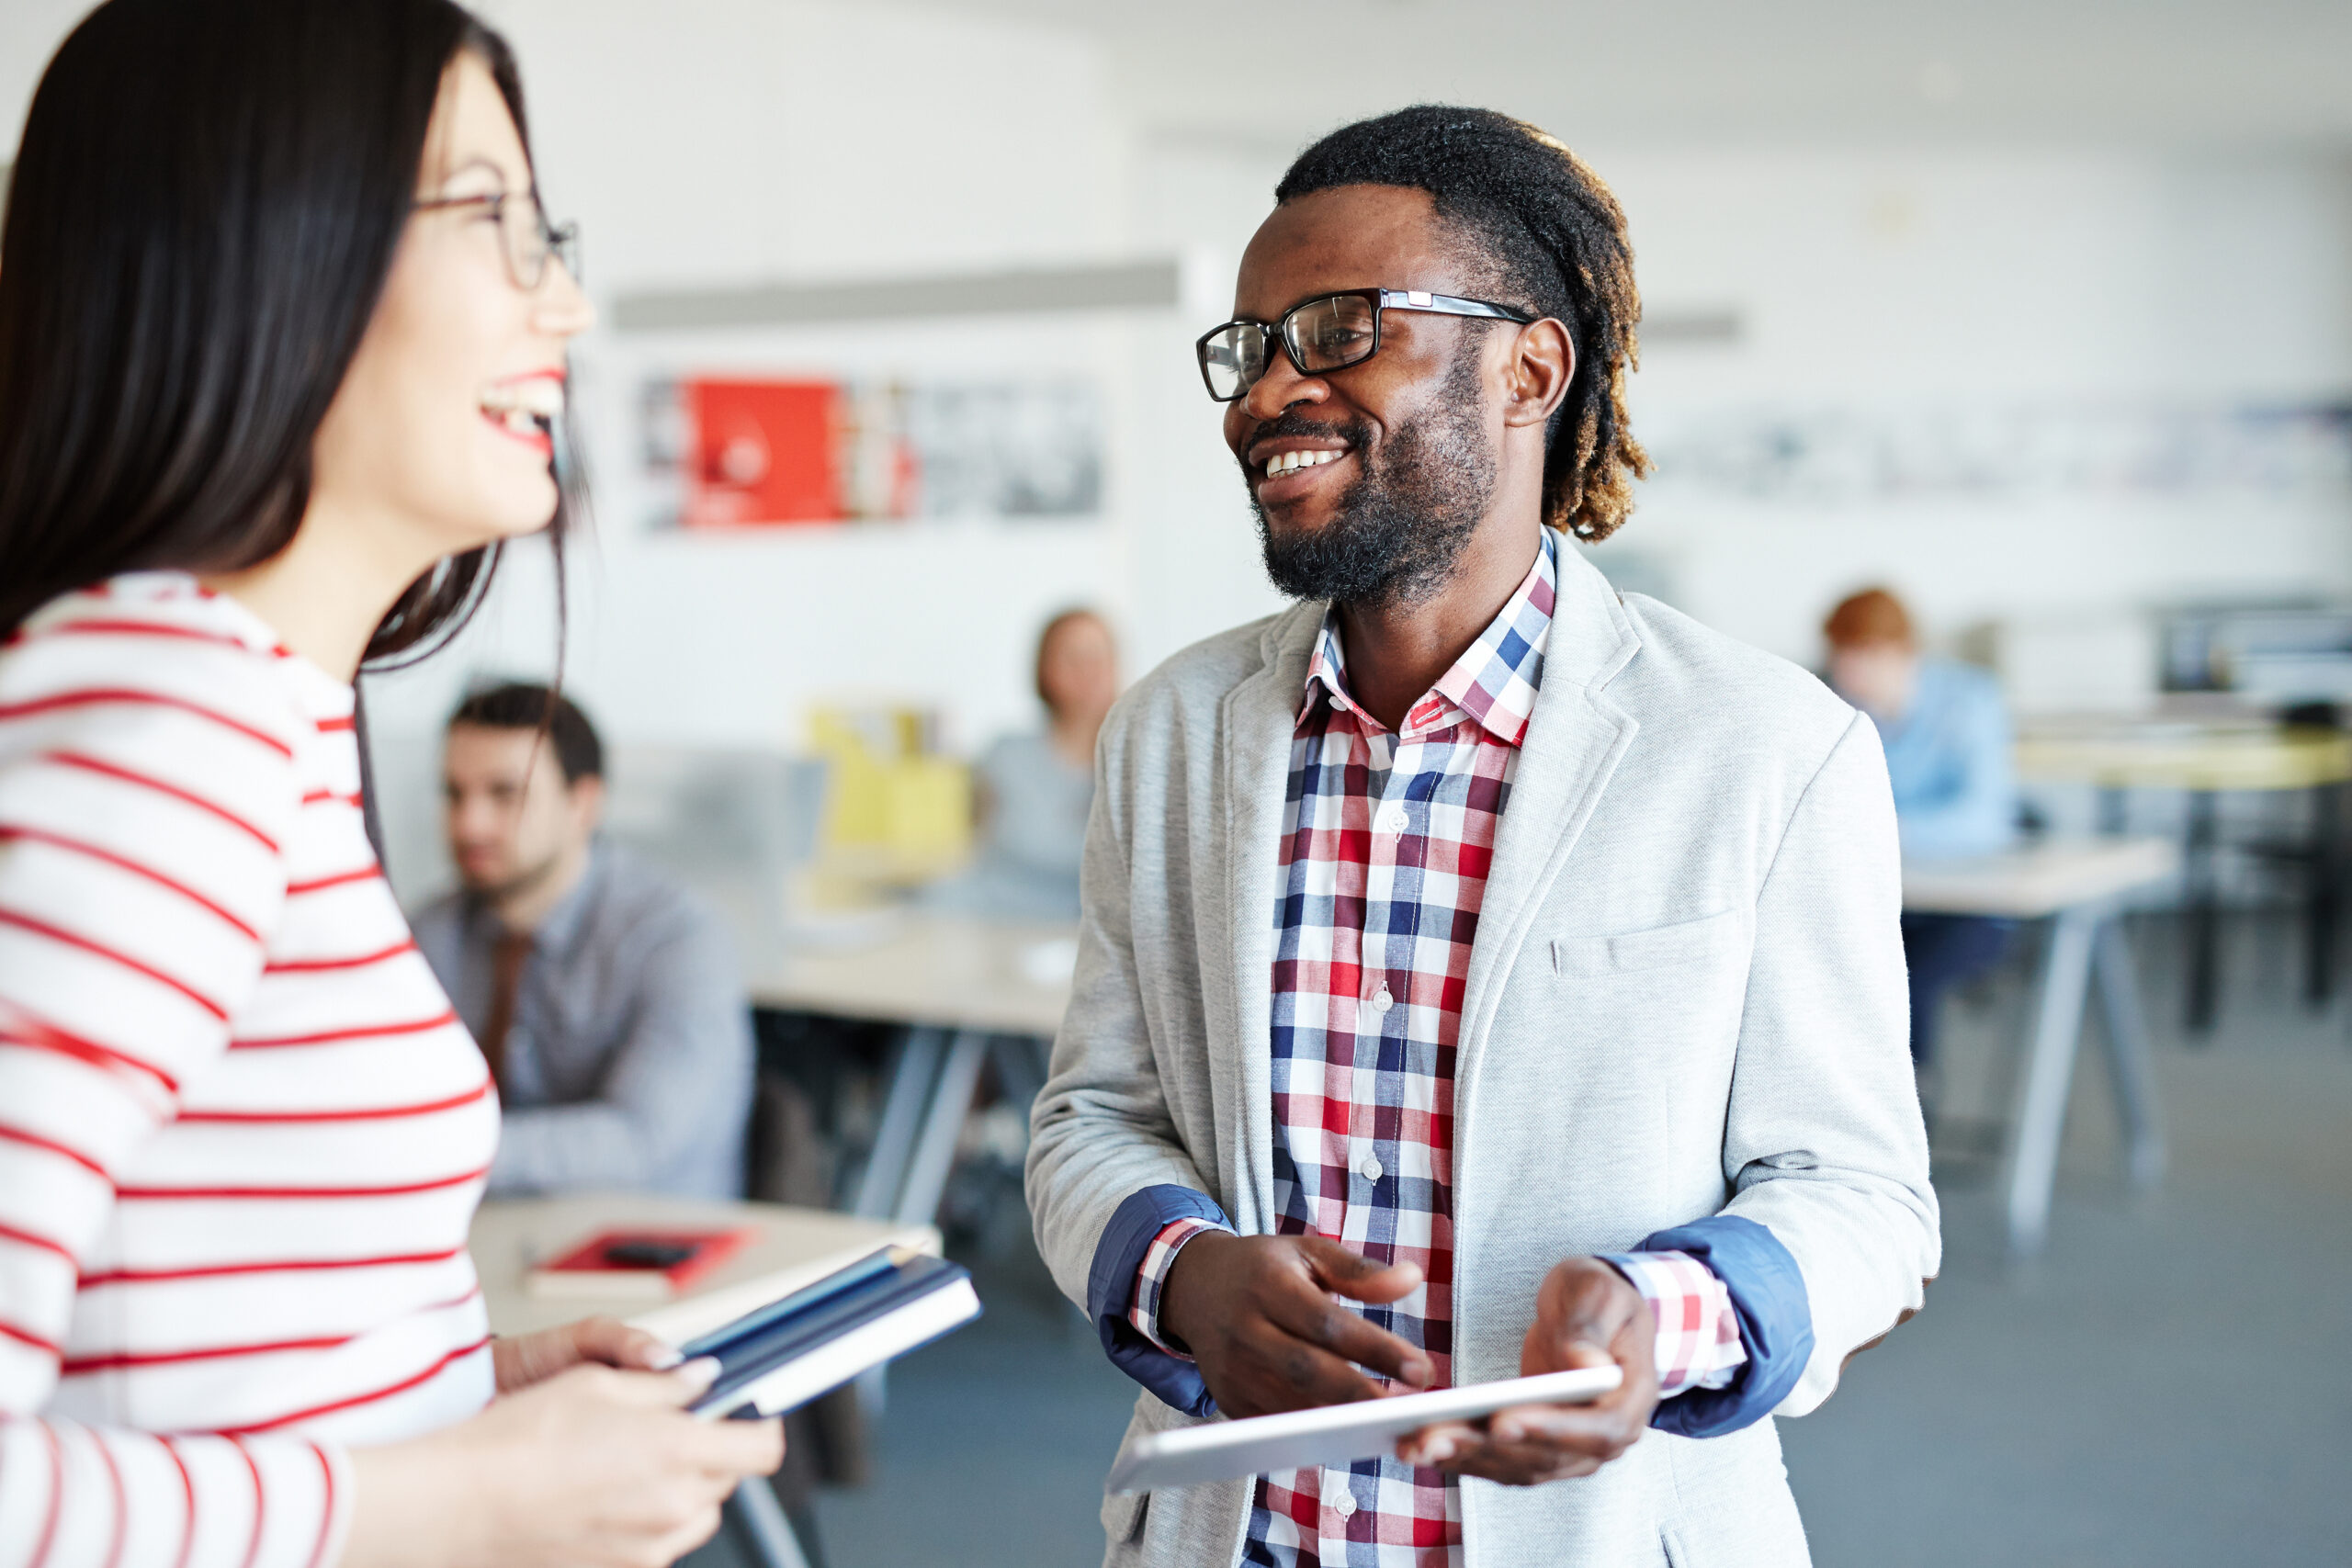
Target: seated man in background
(605, 998)
(1945, 731)
(1034, 788)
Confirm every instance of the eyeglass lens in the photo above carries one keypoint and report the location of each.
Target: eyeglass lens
(1329, 334)
(1323, 334)
(526, 230)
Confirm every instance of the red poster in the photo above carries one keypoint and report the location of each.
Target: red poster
(763, 452)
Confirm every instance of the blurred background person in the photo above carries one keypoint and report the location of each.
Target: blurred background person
(604, 996)
(1034, 789)
(1946, 731)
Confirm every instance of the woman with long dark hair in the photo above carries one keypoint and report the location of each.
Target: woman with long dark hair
(282, 335)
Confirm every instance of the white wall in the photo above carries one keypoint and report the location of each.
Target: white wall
(1954, 284)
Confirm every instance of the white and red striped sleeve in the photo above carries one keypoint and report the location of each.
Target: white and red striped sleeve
(144, 799)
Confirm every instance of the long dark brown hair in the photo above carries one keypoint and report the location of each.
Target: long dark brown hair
(206, 204)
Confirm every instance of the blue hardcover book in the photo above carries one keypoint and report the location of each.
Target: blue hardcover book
(785, 1354)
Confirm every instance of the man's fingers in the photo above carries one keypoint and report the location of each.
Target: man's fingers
(1439, 1442)
(1318, 1320)
(1292, 1374)
(1352, 1274)
(1584, 1429)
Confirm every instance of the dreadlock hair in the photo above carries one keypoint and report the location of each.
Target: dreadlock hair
(1551, 240)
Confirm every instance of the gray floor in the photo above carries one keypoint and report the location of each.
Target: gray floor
(2169, 1387)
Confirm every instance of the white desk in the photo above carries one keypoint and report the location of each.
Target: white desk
(2078, 886)
(510, 1235)
(968, 987)
(2204, 758)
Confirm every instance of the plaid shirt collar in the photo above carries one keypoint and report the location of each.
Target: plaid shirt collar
(1494, 680)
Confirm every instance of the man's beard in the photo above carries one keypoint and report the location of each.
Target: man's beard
(521, 881)
(1395, 534)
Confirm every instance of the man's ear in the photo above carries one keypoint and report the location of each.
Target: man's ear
(588, 803)
(1543, 363)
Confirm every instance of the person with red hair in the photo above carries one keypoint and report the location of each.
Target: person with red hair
(1945, 731)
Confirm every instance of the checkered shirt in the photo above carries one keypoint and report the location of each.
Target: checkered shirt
(1386, 847)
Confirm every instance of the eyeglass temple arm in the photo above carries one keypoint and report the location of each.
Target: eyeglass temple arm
(1448, 305)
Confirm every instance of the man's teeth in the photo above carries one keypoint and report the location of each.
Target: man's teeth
(1283, 462)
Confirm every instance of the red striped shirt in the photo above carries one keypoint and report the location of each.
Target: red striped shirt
(159, 752)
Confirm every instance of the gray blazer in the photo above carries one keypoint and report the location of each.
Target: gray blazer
(1686, 997)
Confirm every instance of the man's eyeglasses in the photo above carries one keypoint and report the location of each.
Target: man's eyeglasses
(1330, 332)
(528, 238)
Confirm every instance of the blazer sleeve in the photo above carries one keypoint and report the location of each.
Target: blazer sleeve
(1101, 1132)
(1822, 1144)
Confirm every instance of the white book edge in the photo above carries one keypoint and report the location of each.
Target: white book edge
(831, 1364)
(1330, 1434)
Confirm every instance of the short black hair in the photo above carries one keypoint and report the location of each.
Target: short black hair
(526, 704)
(1551, 240)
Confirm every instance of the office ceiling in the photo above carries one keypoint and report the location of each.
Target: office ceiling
(2248, 72)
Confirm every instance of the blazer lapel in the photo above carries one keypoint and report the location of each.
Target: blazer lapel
(1574, 739)
(1257, 720)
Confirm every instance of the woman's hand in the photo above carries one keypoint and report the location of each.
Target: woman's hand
(523, 1359)
(593, 1468)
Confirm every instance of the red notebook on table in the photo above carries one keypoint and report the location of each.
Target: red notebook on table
(641, 1264)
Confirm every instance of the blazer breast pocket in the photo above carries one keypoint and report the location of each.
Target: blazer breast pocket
(1716, 939)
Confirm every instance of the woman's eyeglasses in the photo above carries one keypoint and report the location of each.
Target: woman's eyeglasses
(1331, 332)
(528, 238)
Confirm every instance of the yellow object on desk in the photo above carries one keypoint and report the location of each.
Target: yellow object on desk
(888, 794)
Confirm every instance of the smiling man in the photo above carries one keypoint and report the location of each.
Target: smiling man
(1480, 974)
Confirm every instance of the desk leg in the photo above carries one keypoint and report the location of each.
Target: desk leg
(911, 1076)
(2325, 893)
(2049, 1073)
(2204, 933)
(765, 1526)
(935, 1152)
(2127, 1053)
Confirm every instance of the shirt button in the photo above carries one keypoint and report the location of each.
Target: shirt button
(1392, 819)
(1344, 1505)
(1370, 1168)
(1382, 1001)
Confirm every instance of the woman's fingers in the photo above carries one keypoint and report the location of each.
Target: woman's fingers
(737, 1448)
(616, 1344)
(523, 1359)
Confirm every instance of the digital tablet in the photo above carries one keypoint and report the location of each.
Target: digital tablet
(1335, 1434)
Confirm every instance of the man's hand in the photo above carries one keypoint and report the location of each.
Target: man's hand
(1257, 1315)
(1585, 1316)
(523, 1359)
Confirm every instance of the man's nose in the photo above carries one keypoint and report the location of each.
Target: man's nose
(1282, 388)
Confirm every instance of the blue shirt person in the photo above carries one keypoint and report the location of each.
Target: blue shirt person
(606, 997)
(1945, 731)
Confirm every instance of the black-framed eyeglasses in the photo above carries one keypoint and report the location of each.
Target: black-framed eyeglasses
(526, 235)
(1327, 333)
